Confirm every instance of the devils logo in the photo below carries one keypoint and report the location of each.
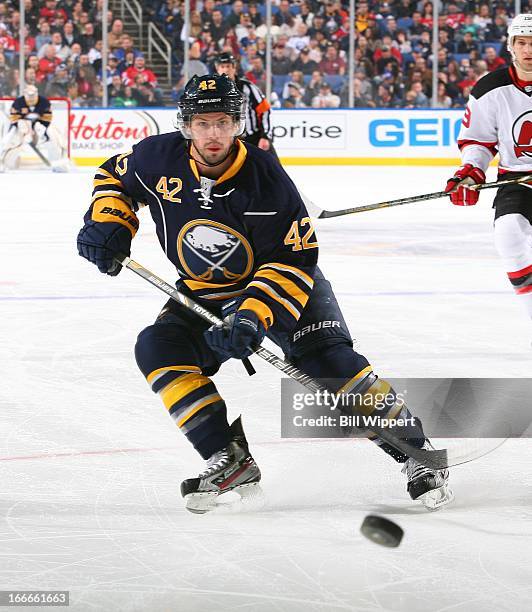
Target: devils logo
(522, 135)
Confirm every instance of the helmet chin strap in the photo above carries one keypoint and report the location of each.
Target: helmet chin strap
(518, 65)
(205, 162)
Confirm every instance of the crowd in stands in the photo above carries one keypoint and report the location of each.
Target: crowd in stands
(393, 63)
(393, 59)
(63, 55)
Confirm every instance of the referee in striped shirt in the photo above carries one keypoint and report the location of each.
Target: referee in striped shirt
(258, 128)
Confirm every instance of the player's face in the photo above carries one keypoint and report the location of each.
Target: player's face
(522, 47)
(213, 135)
(31, 100)
(228, 69)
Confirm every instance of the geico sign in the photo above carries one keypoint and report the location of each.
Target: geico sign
(414, 132)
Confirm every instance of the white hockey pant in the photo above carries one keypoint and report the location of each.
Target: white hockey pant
(19, 137)
(513, 239)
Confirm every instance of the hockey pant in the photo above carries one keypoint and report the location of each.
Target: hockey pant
(21, 134)
(177, 363)
(513, 238)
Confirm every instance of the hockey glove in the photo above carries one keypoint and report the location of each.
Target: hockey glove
(100, 242)
(237, 336)
(458, 186)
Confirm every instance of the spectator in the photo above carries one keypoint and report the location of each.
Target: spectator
(254, 13)
(443, 101)
(87, 68)
(69, 36)
(467, 44)
(112, 70)
(45, 35)
(217, 26)
(257, 73)
(325, 98)
(139, 67)
(493, 61)
(384, 98)
(362, 92)
(284, 16)
(7, 42)
(57, 86)
(304, 63)
(294, 99)
(116, 33)
(196, 66)
(469, 25)
(454, 18)
(481, 69)
(405, 9)
(50, 12)
(207, 11)
(30, 77)
(195, 27)
(234, 17)
(47, 64)
(417, 26)
(469, 79)
(95, 55)
(362, 17)
(126, 99)
(496, 31)
(61, 50)
(75, 52)
(86, 80)
(126, 46)
(242, 30)
(115, 88)
(87, 40)
(31, 15)
(385, 60)
(301, 39)
(420, 99)
(332, 63)
(483, 19)
(296, 77)
(281, 63)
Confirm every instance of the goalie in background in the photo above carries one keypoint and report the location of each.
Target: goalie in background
(30, 126)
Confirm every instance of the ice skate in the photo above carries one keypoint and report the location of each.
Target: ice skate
(230, 470)
(428, 486)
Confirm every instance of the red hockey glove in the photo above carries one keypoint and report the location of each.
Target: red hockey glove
(457, 186)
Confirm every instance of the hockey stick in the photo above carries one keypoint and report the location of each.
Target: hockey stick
(320, 213)
(435, 459)
(39, 154)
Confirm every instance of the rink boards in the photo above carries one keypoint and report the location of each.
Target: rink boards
(302, 137)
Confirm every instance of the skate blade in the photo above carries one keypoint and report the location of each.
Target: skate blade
(244, 498)
(249, 497)
(437, 498)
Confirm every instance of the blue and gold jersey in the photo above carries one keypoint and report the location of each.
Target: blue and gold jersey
(245, 235)
(41, 111)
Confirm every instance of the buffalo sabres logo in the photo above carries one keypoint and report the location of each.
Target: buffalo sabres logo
(522, 135)
(212, 252)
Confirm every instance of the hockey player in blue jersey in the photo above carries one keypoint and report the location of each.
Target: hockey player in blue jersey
(232, 222)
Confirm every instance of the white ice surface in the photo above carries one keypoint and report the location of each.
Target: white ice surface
(90, 464)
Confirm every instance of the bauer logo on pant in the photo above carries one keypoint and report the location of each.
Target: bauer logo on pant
(211, 251)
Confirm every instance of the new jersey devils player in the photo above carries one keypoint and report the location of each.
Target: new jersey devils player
(498, 119)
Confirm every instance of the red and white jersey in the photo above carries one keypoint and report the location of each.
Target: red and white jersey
(498, 118)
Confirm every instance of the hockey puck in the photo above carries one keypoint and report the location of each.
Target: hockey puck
(381, 531)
